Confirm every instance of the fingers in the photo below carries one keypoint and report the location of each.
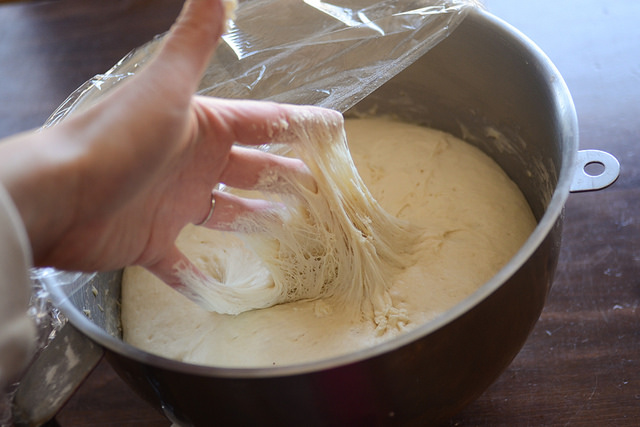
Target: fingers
(259, 122)
(209, 292)
(239, 214)
(177, 271)
(165, 269)
(190, 43)
(255, 123)
(251, 169)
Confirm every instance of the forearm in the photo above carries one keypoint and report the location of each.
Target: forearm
(36, 168)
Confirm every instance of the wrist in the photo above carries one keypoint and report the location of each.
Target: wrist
(36, 169)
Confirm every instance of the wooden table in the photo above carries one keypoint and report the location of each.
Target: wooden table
(581, 365)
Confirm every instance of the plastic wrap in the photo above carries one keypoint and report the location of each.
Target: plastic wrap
(330, 54)
(305, 52)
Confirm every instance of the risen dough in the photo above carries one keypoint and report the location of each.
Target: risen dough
(469, 217)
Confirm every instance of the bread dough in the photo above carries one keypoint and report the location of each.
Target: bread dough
(328, 239)
(455, 220)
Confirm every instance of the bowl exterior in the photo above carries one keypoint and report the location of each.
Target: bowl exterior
(489, 85)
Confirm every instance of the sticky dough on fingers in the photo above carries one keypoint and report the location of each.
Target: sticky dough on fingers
(253, 169)
(254, 123)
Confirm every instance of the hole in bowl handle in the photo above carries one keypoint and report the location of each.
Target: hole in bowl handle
(584, 181)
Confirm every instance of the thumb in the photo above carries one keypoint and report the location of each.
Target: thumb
(192, 39)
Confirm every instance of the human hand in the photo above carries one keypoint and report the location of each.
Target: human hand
(114, 184)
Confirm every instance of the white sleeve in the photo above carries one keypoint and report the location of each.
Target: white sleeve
(17, 331)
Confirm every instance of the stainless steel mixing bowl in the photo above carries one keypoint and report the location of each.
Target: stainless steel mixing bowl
(488, 84)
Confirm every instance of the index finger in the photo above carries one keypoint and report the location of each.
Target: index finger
(259, 122)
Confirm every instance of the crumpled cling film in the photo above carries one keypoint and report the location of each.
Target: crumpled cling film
(47, 318)
(330, 54)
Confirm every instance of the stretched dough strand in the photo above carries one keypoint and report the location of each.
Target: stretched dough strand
(335, 243)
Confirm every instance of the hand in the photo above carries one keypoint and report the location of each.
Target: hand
(113, 185)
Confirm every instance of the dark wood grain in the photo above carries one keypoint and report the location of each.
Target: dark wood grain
(581, 365)
(49, 48)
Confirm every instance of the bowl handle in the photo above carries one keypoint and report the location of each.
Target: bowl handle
(586, 181)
